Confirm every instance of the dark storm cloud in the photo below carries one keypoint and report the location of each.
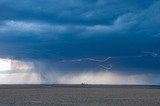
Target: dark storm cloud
(62, 11)
(57, 30)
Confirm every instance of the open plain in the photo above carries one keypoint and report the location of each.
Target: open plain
(79, 95)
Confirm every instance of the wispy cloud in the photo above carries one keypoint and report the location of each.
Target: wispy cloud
(24, 26)
(121, 23)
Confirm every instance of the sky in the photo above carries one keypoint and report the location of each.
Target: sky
(82, 41)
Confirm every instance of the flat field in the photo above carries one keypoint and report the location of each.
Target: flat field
(79, 95)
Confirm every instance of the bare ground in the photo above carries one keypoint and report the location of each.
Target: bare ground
(79, 95)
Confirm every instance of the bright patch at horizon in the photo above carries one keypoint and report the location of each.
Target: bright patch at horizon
(5, 64)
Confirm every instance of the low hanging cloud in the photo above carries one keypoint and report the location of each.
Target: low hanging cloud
(34, 73)
(20, 78)
(20, 65)
(86, 78)
(105, 78)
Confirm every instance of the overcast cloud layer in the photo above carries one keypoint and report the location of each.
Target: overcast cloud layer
(69, 36)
